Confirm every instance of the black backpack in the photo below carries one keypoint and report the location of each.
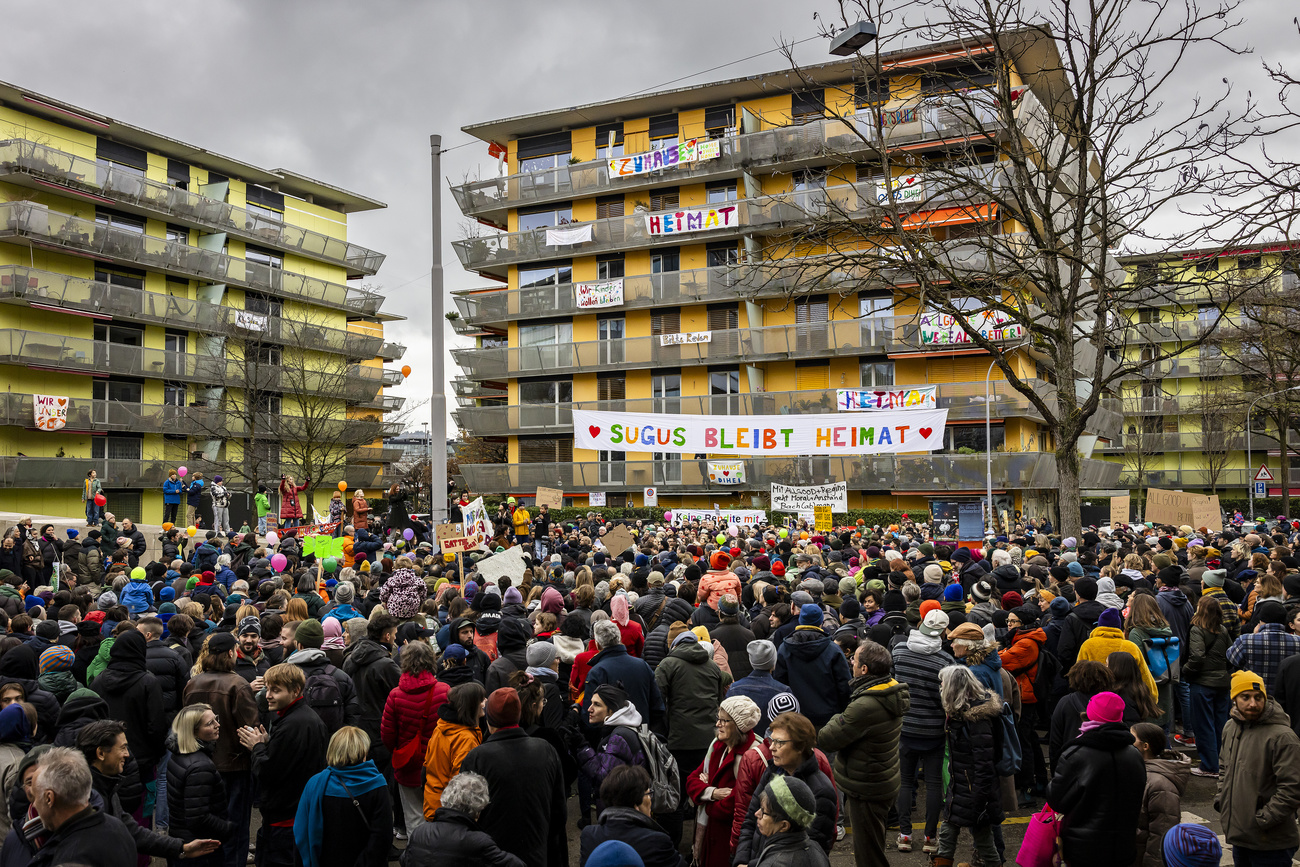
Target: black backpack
(324, 696)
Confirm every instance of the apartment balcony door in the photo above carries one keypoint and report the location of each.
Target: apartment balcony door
(610, 331)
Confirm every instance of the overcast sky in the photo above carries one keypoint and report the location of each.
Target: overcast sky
(349, 92)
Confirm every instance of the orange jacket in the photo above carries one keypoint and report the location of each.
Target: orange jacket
(1021, 659)
(712, 587)
(448, 746)
(349, 560)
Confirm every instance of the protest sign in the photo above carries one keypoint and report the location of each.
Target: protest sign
(443, 532)
(747, 517)
(792, 498)
(1119, 509)
(1207, 513)
(509, 564)
(50, 411)
(871, 399)
(550, 497)
(618, 539)
(596, 498)
(607, 293)
(822, 518)
(477, 525)
(687, 338)
(727, 472)
(940, 329)
(689, 151)
(1169, 507)
(692, 220)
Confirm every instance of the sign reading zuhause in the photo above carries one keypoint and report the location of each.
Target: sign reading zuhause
(768, 435)
(940, 329)
(692, 220)
(607, 293)
(866, 400)
(907, 188)
(683, 339)
(727, 472)
(689, 151)
(792, 498)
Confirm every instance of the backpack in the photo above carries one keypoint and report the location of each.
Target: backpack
(1049, 667)
(665, 783)
(487, 644)
(1007, 755)
(324, 696)
(1161, 654)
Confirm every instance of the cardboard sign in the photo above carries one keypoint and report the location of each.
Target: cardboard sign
(822, 518)
(509, 563)
(619, 540)
(444, 533)
(1169, 507)
(458, 544)
(1119, 509)
(1207, 513)
(550, 497)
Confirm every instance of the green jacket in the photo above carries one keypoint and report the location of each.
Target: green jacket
(692, 686)
(263, 503)
(1259, 787)
(61, 683)
(1207, 658)
(865, 738)
(100, 662)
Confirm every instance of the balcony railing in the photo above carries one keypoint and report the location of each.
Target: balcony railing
(1191, 364)
(378, 454)
(18, 471)
(81, 175)
(385, 402)
(778, 213)
(922, 474)
(389, 351)
(47, 289)
(1193, 479)
(1160, 443)
(37, 224)
(81, 355)
(826, 140)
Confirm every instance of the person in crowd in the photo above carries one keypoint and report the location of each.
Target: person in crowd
(1167, 775)
(1208, 675)
(75, 831)
(711, 785)
(1189, 845)
(786, 809)
(344, 814)
(452, 837)
(972, 799)
(1087, 678)
(628, 818)
(613, 664)
(1022, 656)
(759, 685)
(374, 674)
(1263, 650)
(814, 667)
(620, 743)
(197, 805)
(410, 715)
(454, 737)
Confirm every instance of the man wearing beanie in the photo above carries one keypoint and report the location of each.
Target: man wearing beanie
(1263, 650)
(1107, 638)
(336, 705)
(733, 636)
(759, 684)
(814, 667)
(1080, 622)
(1259, 781)
(527, 813)
(251, 661)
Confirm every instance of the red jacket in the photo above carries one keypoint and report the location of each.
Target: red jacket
(412, 712)
(632, 637)
(1021, 660)
(718, 771)
(289, 507)
(581, 666)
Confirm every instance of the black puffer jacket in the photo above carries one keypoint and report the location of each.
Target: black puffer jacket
(196, 795)
(451, 840)
(134, 697)
(822, 829)
(656, 643)
(1098, 787)
(374, 675)
(171, 672)
(972, 798)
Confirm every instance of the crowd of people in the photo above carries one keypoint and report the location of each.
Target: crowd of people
(713, 694)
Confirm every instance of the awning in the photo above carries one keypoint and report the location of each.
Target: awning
(951, 216)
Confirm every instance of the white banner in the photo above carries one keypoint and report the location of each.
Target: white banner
(692, 220)
(477, 525)
(50, 411)
(689, 151)
(940, 329)
(879, 433)
(870, 399)
(683, 339)
(727, 472)
(250, 321)
(907, 188)
(596, 498)
(563, 236)
(801, 498)
(748, 517)
(608, 293)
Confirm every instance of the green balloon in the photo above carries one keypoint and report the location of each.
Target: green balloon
(722, 538)
(331, 564)
(783, 532)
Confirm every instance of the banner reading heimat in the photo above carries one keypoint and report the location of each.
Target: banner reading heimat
(874, 433)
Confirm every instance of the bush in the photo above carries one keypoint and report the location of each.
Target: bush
(883, 517)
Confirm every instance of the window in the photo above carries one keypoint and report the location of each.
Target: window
(957, 78)
(267, 402)
(541, 218)
(611, 387)
(545, 275)
(119, 277)
(814, 376)
(118, 390)
(666, 390)
(722, 255)
(121, 157)
(810, 179)
(876, 374)
(811, 315)
(1148, 315)
(266, 204)
(269, 355)
(117, 448)
(546, 334)
(546, 391)
(174, 394)
(1207, 315)
(664, 200)
(122, 335)
(178, 234)
(876, 306)
(545, 450)
(613, 467)
(610, 332)
(610, 206)
(663, 131)
(723, 317)
(724, 388)
(871, 173)
(721, 191)
(255, 302)
(610, 269)
(173, 342)
(807, 106)
(1249, 263)
(115, 220)
(720, 120)
(1210, 263)
(969, 438)
(267, 258)
(178, 174)
(539, 152)
(609, 141)
(663, 261)
(666, 321)
(871, 93)
(668, 468)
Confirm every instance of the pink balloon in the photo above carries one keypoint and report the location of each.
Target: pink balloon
(278, 562)
(181, 471)
(733, 530)
(668, 516)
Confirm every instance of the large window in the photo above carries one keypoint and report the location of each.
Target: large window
(545, 450)
(666, 390)
(541, 218)
(267, 258)
(807, 106)
(116, 220)
(876, 374)
(811, 317)
(256, 302)
(724, 390)
(539, 152)
(545, 274)
(117, 448)
(610, 331)
(969, 438)
(663, 261)
(665, 199)
(610, 268)
(546, 391)
(174, 393)
(725, 254)
(546, 334)
(720, 120)
(721, 192)
(118, 390)
(663, 132)
(613, 467)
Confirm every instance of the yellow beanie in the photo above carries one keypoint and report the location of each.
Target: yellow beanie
(702, 633)
(1246, 680)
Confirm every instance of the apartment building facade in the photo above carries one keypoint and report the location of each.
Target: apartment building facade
(636, 253)
(162, 305)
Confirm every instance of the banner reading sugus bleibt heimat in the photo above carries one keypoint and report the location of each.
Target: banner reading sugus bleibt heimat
(765, 435)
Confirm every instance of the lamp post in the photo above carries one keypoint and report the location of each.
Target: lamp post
(988, 442)
(429, 454)
(438, 397)
(1281, 443)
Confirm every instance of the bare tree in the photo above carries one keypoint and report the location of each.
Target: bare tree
(1066, 137)
(1222, 416)
(1143, 439)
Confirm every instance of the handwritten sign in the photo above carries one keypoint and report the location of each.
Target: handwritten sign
(747, 517)
(1169, 507)
(800, 498)
(727, 472)
(692, 220)
(940, 329)
(477, 525)
(551, 497)
(822, 518)
(683, 339)
(619, 540)
(607, 293)
(596, 498)
(905, 189)
(444, 533)
(51, 411)
(1207, 513)
(1119, 509)
(869, 399)
(689, 151)
(250, 321)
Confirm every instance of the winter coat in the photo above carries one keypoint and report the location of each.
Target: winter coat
(1206, 663)
(917, 663)
(448, 746)
(312, 659)
(452, 839)
(411, 712)
(527, 813)
(1106, 640)
(289, 506)
(172, 492)
(172, 674)
(282, 765)
(754, 765)
(713, 585)
(147, 842)
(616, 665)
(1098, 787)
(139, 547)
(137, 597)
(865, 736)
(1259, 783)
(620, 745)
(374, 677)
(403, 594)
(817, 672)
(90, 837)
(233, 702)
(134, 696)
(760, 687)
(637, 830)
(656, 643)
(1021, 659)
(1161, 806)
(692, 687)
(196, 795)
(1178, 612)
(973, 798)
(735, 640)
(717, 771)
(1076, 629)
(822, 829)
(791, 849)
(89, 567)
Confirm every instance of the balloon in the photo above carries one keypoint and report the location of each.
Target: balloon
(668, 516)
(181, 471)
(783, 532)
(278, 562)
(408, 534)
(803, 534)
(733, 531)
(406, 370)
(168, 526)
(192, 530)
(101, 500)
(272, 538)
(138, 573)
(722, 537)
(331, 564)
(343, 486)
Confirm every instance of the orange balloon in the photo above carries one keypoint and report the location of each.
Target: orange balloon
(343, 486)
(406, 370)
(803, 535)
(167, 526)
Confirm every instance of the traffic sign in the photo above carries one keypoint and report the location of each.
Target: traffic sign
(1263, 475)
(1259, 489)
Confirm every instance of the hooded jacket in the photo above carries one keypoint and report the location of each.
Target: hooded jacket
(448, 746)
(1259, 787)
(313, 658)
(1077, 628)
(134, 696)
(637, 830)
(972, 797)
(656, 643)
(1098, 785)
(618, 746)
(817, 672)
(692, 687)
(1106, 640)
(1161, 806)
(374, 677)
(865, 736)
(1178, 612)
(1021, 659)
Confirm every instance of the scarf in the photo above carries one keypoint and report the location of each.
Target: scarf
(618, 609)
(349, 782)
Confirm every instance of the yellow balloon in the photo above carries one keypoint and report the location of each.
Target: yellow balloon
(406, 370)
(343, 486)
(192, 530)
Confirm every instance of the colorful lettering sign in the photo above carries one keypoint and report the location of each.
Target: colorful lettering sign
(747, 517)
(51, 411)
(692, 220)
(477, 525)
(801, 498)
(871, 399)
(683, 339)
(940, 329)
(907, 188)
(607, 293)
(765, 435)
(689, 151)
(727, 472)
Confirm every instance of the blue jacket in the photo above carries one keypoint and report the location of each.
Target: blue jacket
(205, 557)
(761, 687)
(195, 491)
(137, 596)
(172, 492)
(616, 665)
(225, 575)
(988, 671)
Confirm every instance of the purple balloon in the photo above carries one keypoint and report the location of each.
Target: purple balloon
(408, 534)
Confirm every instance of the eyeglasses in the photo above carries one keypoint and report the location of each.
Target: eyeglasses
(649, 793)
(777, 742)
(722, 722)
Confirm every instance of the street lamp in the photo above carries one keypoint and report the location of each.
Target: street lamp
(988, 442)
(428, 443)
(1281, 441)
(853, 38)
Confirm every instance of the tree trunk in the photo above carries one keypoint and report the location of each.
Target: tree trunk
(1068, 493)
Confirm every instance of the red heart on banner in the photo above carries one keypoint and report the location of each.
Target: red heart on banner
(926, 431)
(726, 472)
(62, 401)
(593, 430)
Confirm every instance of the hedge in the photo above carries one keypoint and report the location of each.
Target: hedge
(883, 517)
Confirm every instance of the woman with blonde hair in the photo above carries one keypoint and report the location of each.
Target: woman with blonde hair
(345, 815)
(360, 509)
(196, 794)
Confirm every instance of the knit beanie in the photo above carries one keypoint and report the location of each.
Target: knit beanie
(1012, 599)
(1074, 569)
(540, 654)
(1190, 845)
(1028, 615)
(794, 798)
(503, 707)
(850, 609)
(728, 606)
(933, 574)
(952, 593)
(782, 702)
(56, 658)
(310, 634)
(1106, 707)
(1111, 618)
(982, 591)
(1245, 680)
(614, 853)
(1086, 588)
(810, 615)
(1214, 577)
(762, 654)
(743, 712)
(675, 631)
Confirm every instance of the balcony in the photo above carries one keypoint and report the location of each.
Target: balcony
(99, 358)
(30, 223)
(467, 388)
(1161, 443)
(389, 351)
(378, 454)
(922, 474)
(1191, 364)
(46, 289)
(831, 140)
(384, 402)
(21, 159)
(17, 471)
(1194, 479)
(772, 214)
(1169, 332)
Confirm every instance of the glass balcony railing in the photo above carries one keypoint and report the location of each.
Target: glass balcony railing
(378, 454)
(1193, 479)
(770, 214)
(19, 471)
(901, 474)
(46, 289)
(37, 224)
(1159, 443)
(78, 174)
(829, 140)
(389, 351)
(385, 402)
(81, 355)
